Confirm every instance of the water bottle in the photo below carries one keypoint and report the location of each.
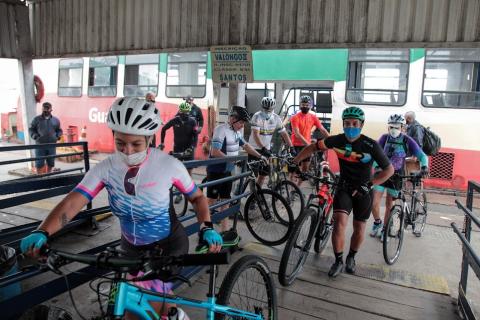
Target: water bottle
(177, 314)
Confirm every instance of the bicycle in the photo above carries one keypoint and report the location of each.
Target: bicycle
(316, 221)
(125, 296)
(267, 214)
(178, 200)
(402, 215)
(279, 182)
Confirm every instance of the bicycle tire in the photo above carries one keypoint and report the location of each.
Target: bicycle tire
(394, 230)
(323, 232)
(233, 284)
(296, 252)
(179, 208)
(421, 209)
(279, 224)
(287, 189)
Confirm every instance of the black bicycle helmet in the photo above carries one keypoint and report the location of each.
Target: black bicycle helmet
(306, 99)
(240, 113)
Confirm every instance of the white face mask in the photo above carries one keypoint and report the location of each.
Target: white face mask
(134, 158)
(394, 132)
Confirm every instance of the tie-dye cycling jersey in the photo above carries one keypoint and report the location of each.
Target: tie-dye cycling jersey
(144, 217)
(396, 149)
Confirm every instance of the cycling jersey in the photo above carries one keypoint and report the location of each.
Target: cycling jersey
(184, 132)
(229, 142)
(266, 124)
(145, 216)
(397, 149)
(356, 157)
(304, 122)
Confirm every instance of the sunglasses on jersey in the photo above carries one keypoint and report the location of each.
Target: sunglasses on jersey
(127, 184)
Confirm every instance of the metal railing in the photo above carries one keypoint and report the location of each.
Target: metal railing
(15, 306)
(470, 257)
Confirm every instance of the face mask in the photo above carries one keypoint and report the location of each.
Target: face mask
(46, 114)
(134, 158)
(394, 132)
(352, 133)
(305, 110)
(268, 114)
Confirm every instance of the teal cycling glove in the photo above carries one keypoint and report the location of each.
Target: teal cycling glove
(37, 239)
(211, 237)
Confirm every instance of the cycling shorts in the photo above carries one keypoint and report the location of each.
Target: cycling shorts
(222, 190)
(360, 204)
(176, 244)
(392, 192)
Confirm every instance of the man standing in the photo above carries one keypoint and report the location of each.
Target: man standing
(196, 113)
(414, 129)
(302, 124)
(356, 154)
(45, 128)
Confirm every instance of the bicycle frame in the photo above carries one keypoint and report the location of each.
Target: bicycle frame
(125, 296)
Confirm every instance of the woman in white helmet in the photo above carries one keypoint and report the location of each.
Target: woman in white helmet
(138, 181)
(396, 147)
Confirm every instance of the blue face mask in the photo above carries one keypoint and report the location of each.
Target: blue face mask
(352, 133)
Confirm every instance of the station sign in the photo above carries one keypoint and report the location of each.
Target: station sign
(232, 63)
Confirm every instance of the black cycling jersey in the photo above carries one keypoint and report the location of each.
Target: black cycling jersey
(356, 158)
(184, 132)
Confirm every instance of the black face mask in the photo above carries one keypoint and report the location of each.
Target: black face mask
(305, 109)
(46, 114)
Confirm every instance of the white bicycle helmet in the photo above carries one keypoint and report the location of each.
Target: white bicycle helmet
(268, 103)
(133, 116)
(396, 118)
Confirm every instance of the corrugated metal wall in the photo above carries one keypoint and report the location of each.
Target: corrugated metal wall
(89, 27)
(8, 19)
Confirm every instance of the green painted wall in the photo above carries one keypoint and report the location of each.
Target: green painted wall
(305, 64)
(416, 54)
(163, 62)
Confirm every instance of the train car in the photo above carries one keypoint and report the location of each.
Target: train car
(440, 85)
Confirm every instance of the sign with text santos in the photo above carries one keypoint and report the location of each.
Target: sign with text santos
(232, 63)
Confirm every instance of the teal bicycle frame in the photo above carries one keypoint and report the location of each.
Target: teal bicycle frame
(128, 297)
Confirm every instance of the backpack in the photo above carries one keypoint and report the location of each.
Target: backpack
(431, 142)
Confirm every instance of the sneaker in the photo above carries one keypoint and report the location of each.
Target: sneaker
(350, 265)
(335, 269)
(376, 230)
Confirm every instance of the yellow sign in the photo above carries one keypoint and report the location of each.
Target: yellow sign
(232, 64)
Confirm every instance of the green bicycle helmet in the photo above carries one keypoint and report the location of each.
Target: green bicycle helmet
(353, 113)
(185, 107)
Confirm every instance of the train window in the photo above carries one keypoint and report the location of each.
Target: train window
(452, 78)
(102, 77)
(186, 74)
(377, 76)
(70, 77)
(141, 75)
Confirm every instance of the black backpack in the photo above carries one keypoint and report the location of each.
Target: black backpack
(431, 142)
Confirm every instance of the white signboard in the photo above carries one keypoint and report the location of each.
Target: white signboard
(232, 63)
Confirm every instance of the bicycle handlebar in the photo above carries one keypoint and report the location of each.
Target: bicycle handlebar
(108, 260)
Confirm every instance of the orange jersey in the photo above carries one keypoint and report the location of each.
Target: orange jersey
(304, 123)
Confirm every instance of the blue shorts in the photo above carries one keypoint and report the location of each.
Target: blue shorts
(39, 163)
(392, 192)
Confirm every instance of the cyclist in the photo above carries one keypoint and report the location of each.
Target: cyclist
(226, 141)
(185, 130)
(263, 124)
(302, 124)
(138, 180)
(197, 114)
(356, 154)
(396, 146)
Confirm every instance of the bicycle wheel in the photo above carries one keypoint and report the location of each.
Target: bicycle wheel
(298, 246)
(323, 232)
(268, 217)
(393, 235)
(421, 213)
(179, 202)
(294, 196)
(249, 286)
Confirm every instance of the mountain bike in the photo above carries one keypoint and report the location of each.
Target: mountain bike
(315, 222)
(403, 214)
(279, 182)
(267, 214)
(178, 200)
(247, 291)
